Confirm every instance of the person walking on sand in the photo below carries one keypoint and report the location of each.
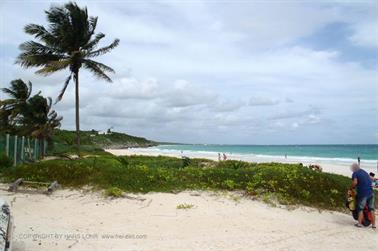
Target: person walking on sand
(365, 194)
(359, 160)
(219, 157)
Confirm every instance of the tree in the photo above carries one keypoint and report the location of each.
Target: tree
(11, 108)
(39, 119)
(69, 42)
(26, 115)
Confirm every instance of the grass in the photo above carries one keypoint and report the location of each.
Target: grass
(185, 206)
(289, 183)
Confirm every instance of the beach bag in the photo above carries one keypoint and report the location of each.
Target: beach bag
(367, 216)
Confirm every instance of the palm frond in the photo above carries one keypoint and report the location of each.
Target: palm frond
(104, 50)
(9, 92)
(102, 66)
(54, 66)
(30, 87)
(96, 70)
(41, 33)
(36, 54)
(60, 96)
(93, 43)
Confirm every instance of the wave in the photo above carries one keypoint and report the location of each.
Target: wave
(251, 156)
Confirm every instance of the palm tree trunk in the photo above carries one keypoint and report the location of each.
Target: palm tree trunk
(77, 107)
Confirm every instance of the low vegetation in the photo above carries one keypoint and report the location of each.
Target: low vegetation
(288, 183)
(93, 142)
(184, 206)
(114, 192)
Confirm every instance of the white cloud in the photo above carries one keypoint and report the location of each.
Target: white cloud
(366, 34)
(217, 73)
(262, 101)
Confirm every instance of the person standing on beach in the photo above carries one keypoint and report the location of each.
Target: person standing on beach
(219, 157)
(358, 160)
(365, 194)
(224, 157)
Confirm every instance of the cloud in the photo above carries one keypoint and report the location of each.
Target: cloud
(131, 88)
(263, 101)
(296, 113)
(218, 73)
(366, 34)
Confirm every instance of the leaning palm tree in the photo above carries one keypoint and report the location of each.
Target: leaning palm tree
(69, 42)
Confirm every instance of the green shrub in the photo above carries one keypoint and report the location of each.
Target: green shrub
(5, 162)
(114, 192)
(185, 161)
(289, 183)
(229, 184)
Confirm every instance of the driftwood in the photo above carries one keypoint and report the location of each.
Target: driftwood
(133, 198)
(13, 187)
(51, 186)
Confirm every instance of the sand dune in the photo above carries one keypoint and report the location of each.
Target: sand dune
(73, 220)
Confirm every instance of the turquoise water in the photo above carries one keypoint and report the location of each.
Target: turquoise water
(365, 152)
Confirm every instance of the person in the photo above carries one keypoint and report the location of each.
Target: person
(365, 194)
(219, 157)
(359, 160)
(375, 180)
(285, 156)
(224, 157)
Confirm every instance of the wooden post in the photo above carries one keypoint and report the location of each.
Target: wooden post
(23, 148)
(7, 145)
(45, 144)
(35, 149)
(15, 151)
(29, 150)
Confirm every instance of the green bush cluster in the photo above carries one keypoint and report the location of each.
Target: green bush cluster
(5, 162)
(291, 184)
(114, 192)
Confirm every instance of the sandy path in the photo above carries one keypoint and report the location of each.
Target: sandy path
(217, 222)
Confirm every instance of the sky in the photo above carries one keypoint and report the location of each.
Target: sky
(223, 72)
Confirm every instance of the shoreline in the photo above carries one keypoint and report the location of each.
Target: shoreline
(341, 167)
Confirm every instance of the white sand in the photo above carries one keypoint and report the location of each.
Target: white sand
(217, 222)
(338, 167)
(73, 220)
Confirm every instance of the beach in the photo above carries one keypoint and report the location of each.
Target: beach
(338, 166)
(83, 220)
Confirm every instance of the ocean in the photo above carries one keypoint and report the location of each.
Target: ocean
(332, 152)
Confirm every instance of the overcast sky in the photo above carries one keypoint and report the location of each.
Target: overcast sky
(244, 72)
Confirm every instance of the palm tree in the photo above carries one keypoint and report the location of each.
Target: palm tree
(40, 120)
(68, 42)
(11, 108)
